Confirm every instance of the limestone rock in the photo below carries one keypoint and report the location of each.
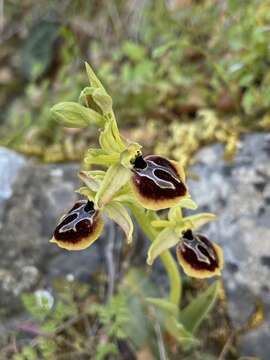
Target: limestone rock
(239, 193)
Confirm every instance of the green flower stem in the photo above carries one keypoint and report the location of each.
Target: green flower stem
(166, 258)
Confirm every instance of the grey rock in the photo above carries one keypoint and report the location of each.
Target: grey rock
(38, 196)
(10, 165)
(238, 192)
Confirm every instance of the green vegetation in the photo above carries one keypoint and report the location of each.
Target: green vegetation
(199, 73)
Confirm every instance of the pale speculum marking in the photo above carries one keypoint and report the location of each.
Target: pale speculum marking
(194, 245)
(79, 214)
(149, 172)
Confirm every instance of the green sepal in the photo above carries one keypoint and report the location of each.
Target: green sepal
(103, 100)
(93, 79)
(74, 115)
(100, 157)
(85, 191)
(97, 99)
(125, 195)
(89, 180)
(116, 177)
(198, 309)
(195, 221)
(118, 213)
(164, 305)
(110, 140)
(166, 239)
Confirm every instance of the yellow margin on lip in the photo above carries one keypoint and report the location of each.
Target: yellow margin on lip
(202, 274)
(166, 203)
(85, 242)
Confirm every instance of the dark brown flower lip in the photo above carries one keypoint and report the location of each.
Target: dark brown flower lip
(78, 223)
(157, 182)
(154, 171)
(197, 251)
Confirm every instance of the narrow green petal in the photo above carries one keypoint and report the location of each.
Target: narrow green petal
(175, 213)
(85, 191)
(100, 157)
(195, 221)
(188, 203)
(120, 215)
(160, 223)
(166, 239)
(116, 177)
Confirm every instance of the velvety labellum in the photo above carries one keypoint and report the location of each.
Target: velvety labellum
(199, 256)
(79, 227)
(156, 179)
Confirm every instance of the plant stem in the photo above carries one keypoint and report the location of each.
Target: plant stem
(166, 258)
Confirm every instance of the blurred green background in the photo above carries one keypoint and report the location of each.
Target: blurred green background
(198, 70)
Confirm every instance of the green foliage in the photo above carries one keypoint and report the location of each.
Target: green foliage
(181, 61)
(192, 315)
(114, 316)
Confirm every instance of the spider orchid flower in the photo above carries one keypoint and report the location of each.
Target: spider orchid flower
(197, 255)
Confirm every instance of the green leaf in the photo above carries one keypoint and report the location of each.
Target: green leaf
(120, 215)
(74, 115)
(116, 177)
(198, 309)
(104, 350)
(166, 239)
(37, 52)
(161, 50)
(179, 332)
(164, 305)
(134, 51)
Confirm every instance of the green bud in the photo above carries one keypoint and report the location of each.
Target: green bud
(71, 114)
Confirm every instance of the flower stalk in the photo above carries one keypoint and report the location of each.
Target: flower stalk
(168, 261)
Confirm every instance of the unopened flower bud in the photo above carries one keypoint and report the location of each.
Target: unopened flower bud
(71, 114)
